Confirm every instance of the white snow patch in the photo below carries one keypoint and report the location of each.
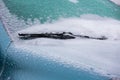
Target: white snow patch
(116, 1)
(74, 1)
(102, 56)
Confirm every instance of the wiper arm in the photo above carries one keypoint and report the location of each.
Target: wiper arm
(62, 35)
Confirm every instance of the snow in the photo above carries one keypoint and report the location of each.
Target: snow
(116, 1)
(74, 1)
(80, 26)
(102, 56)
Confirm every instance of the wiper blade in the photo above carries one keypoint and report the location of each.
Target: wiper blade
(90, 37)
(57, 35)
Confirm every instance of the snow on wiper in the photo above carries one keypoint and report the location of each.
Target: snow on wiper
(57, 35)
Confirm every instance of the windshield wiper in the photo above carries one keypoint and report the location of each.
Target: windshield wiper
(57, 35)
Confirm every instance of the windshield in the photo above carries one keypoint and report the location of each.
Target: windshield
(45, 10)
(26, 12)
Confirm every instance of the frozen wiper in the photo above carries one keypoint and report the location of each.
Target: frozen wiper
(57, 35)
